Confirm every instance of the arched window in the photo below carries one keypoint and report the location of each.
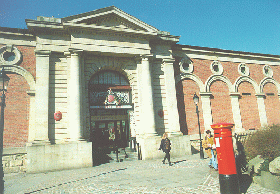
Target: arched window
(109, 83)
(109, 78)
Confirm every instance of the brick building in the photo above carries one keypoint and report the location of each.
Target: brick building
(114, 77)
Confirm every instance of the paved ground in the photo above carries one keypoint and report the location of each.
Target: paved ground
(188, 174)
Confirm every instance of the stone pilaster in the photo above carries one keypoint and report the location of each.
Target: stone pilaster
(206, 109)
(74, 97)
(32, 117)
(236, 111)
(261, 107)
(147, 113)
(171, 99)
(42, 96)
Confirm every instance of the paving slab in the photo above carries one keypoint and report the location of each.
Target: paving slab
(187, 174)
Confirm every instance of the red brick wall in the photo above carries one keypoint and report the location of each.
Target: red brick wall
(248, 107)
(202, 69)
(29, 59)
(187, 112)
(16, 112)
(272, 104)
(221, 103)
(17, 102)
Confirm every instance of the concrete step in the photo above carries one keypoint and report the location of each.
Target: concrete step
(123, 155)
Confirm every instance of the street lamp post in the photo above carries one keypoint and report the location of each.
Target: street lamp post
(196, 101)
(4, 80)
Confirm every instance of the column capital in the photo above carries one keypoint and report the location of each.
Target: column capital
(234, 94)
(146, 57)
(67, 53)
(205, 94)
(168, 61)
(75, 51)
(260, 95)
(45, 53)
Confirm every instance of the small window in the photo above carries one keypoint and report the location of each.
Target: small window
(216, 68)
(267, 71)
(270, 94)
(243, 69)
(9, 56)
(186, 65)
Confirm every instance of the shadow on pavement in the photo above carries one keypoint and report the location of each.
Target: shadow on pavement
(244, 182)
(99, 156)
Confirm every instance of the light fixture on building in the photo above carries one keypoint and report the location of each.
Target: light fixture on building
(196, 101)
(4, 81)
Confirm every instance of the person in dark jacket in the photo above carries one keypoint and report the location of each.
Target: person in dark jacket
(165, 146)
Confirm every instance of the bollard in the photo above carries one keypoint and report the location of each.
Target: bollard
(226, 160)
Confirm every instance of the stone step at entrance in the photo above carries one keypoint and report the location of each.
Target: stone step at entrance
(124, 154)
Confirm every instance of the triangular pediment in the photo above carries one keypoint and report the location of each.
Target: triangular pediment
(110, 17)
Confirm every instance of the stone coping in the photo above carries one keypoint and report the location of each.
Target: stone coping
(17, 150)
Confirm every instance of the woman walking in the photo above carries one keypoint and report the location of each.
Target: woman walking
(165, 146)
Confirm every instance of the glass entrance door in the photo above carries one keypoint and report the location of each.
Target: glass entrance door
(110, 133)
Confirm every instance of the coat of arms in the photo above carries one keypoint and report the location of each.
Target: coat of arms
(112, 98)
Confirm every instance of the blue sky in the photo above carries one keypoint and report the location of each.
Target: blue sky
(240, 25)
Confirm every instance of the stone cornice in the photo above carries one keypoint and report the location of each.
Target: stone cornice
(116, 30)
(224, 55)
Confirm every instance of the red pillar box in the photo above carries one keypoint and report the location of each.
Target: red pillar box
(226, 159)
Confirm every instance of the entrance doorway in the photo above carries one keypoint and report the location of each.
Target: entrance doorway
(110, 100)
(109, 128)
(110, 134)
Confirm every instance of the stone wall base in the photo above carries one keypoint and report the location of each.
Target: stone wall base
(42, 158)
(180, 146)
(14, 160)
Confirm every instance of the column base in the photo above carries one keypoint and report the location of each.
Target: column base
(75, 140)
(39, 142)
(174, 134)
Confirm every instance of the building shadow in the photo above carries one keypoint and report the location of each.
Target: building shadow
(100, 156)
(244, 182)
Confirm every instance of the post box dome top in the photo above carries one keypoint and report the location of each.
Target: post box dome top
(222, 125)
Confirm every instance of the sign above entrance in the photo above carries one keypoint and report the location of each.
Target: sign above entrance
(113, 107)
(108, 117)
(110, 97)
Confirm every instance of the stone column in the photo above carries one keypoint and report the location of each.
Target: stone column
(147, 115)
(236, 111)
(171, 99)
(261, 107)
(206, 109)
(74, 97)
(42, 96)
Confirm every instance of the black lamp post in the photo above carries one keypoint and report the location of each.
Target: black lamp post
(4, 80)
(196, 101)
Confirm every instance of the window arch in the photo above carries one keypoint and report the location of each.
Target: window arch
(109, 77)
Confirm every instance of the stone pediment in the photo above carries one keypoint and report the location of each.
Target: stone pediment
(109, 17)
